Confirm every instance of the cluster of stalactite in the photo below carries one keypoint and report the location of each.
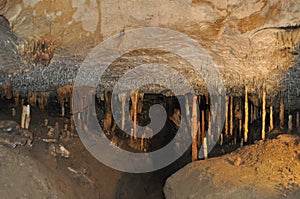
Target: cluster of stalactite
(247, 118)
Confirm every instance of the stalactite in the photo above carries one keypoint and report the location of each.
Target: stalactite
(131, 137)
(140, 102)
(23, 116)
(219, 119)
(231, 116)
(7, 90)
(297, 120)
(281, 113)
(271, 118)
(226, 116)
(108, 114)
(123, 101)
(263, 129)
(32, 99)
(187, 110)
(240, 129)
(209, 135)
(134, 100)
(27, 117)
(246, 116)
(202, 125)
(194, 130)
(16, 96)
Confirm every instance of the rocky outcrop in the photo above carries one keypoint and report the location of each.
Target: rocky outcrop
(268, 169)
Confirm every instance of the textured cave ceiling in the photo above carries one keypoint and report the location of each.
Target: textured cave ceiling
(253, 43)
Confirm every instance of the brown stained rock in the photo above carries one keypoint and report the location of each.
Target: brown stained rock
(246, 39)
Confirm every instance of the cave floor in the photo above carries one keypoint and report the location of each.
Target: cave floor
(38, 172)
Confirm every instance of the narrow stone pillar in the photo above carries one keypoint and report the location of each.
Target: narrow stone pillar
(202, 124)
(231, 116)
(219, 119)
(281, 113)
(123, 101)
(134, 100)
(226, 116)
(297, 120)
(23, 116)
(205, 152)
(194, 130)
(290, 123)
(271, 118)
(108, 114)
(263, 129)
(246, 116)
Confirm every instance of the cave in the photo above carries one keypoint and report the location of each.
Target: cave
(149, 99)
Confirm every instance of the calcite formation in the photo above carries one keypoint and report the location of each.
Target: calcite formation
(253, 43)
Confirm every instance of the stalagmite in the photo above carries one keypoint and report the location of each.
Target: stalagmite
(281, 113)
(246, 116)
(290, 122)
(134, 99)
(297, 120)
(263, 128)
(123, 100)
(226, 115)
(231, 117)
(271, 118)
(194, 130)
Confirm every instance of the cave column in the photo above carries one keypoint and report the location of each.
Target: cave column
(226, 116)
(194, 130)
(263, 129)
(281, 113)
(297, 120)
(123, 101)
(134, 100)
(246, 116)
(271, 118)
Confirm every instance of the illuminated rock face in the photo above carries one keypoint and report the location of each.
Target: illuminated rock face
(244, 38)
